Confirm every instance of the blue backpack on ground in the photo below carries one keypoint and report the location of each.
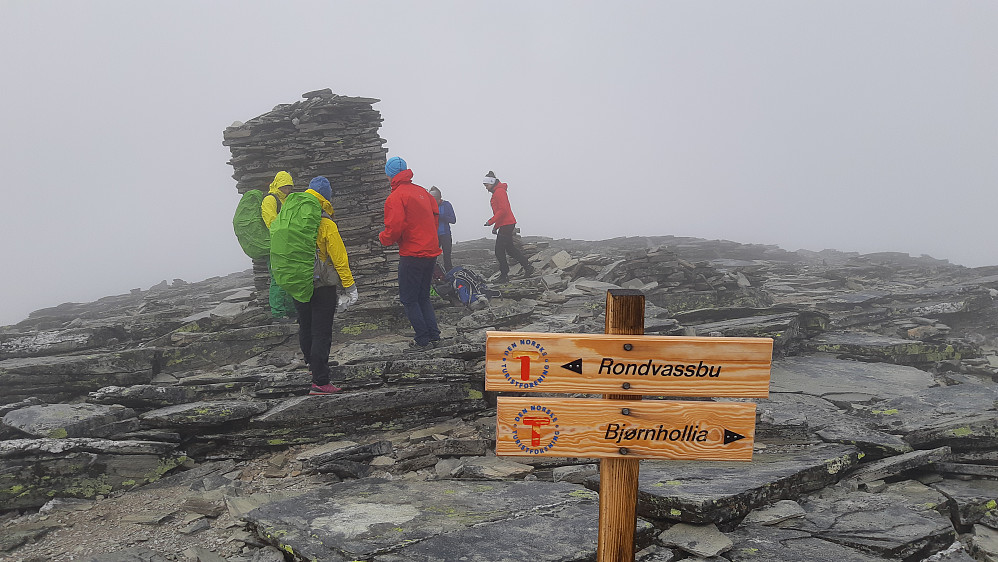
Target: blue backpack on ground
(469, 287)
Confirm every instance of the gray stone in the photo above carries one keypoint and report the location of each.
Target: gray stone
(203, 414)
(33, 471)
(895, 466)
(490, 468)
(576, 474)
(701, 540)
(774, 514)
(423, 521)
(703, 492)
(882, 524)
(756, 544)
(875, 347)
(974, 500)
(72, 420)
(131, 554)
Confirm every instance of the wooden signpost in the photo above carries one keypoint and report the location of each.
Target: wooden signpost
(622, 428)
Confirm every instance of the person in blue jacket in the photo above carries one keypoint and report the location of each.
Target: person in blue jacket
(447, 218)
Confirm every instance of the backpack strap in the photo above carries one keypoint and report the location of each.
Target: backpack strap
(276, 199)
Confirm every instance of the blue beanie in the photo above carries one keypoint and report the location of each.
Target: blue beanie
(394, 166)
(320, 185)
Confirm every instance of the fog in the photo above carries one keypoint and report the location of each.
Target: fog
(856, 126)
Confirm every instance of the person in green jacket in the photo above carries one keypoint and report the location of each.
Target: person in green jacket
(281, 304)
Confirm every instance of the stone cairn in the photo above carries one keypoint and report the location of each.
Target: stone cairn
(323, 135)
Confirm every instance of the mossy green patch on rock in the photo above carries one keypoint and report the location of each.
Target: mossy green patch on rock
(961, 432)
(58, 433)
(358, 329)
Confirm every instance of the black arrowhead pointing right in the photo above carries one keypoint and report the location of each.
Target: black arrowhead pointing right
(574, 366)
(731, 436)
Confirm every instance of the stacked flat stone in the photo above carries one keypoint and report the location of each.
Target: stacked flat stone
(324, 135)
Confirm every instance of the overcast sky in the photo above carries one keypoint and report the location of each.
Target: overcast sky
(859, 126)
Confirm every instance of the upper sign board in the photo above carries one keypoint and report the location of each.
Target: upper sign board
(619, 364)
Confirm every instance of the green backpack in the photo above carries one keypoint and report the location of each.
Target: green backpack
(292, 245)
(251, 232)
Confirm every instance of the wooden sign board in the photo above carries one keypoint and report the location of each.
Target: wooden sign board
(640, 429)
(617, 364)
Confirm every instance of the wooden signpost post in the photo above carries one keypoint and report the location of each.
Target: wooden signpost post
(622, 428)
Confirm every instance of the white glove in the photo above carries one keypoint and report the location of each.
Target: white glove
(349, 298)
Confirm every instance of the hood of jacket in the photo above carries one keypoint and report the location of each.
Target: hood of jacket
(327, 207)
(280, 180)
(405, 176)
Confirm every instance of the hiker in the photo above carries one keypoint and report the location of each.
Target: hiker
(281, 304)
(411, 220)
(329, 271)
(503, 225)
(447, 218)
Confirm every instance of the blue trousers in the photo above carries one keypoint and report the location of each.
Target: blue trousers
(415, 275)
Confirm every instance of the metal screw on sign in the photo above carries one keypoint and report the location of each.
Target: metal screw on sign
(625, 411)
(624, 451)
(626, 385)
(628, 347)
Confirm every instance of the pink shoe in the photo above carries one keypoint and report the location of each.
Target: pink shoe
(324, 389)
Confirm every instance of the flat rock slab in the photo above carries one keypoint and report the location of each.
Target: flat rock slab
(766, 544)
(846, 382)
(71, 420)
(204, 414)
(379, 520)
(960, 415)
(868, 346)
(883, 524)
(33, 471)
(352, 407)
(975, 500)
(718, 491)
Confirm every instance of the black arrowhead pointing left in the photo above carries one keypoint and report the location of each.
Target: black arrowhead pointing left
(574, 366)
(731, 436)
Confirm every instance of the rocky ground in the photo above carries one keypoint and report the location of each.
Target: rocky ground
(171, 423)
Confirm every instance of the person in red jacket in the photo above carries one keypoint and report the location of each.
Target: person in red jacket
(503, 225)
(411, 221)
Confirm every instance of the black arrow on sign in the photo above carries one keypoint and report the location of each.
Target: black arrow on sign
(574, 366)
(731, 436)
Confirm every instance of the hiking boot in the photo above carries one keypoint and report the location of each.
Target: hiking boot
(528, 271)
(503, 279)
(324, 389)
(413, 346)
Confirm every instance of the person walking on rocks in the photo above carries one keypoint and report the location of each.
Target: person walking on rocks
(503, 225)
(331, 271)
(447, 218)
(411, 221)
(281, 304)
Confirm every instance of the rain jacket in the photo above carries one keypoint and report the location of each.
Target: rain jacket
(501, 213)
(447, 217)
(269, 209)
(329, 242)
(411, 219)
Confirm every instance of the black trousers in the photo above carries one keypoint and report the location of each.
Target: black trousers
(505, 245)
(446, 242)
(315, 331)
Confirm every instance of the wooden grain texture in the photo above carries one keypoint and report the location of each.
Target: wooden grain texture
(618, 484)
(654, 365)
(590, 427)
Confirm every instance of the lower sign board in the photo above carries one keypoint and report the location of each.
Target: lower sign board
(646, 429)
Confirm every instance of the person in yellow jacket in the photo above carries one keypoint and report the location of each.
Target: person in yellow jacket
(332, 270)
(281, 305)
